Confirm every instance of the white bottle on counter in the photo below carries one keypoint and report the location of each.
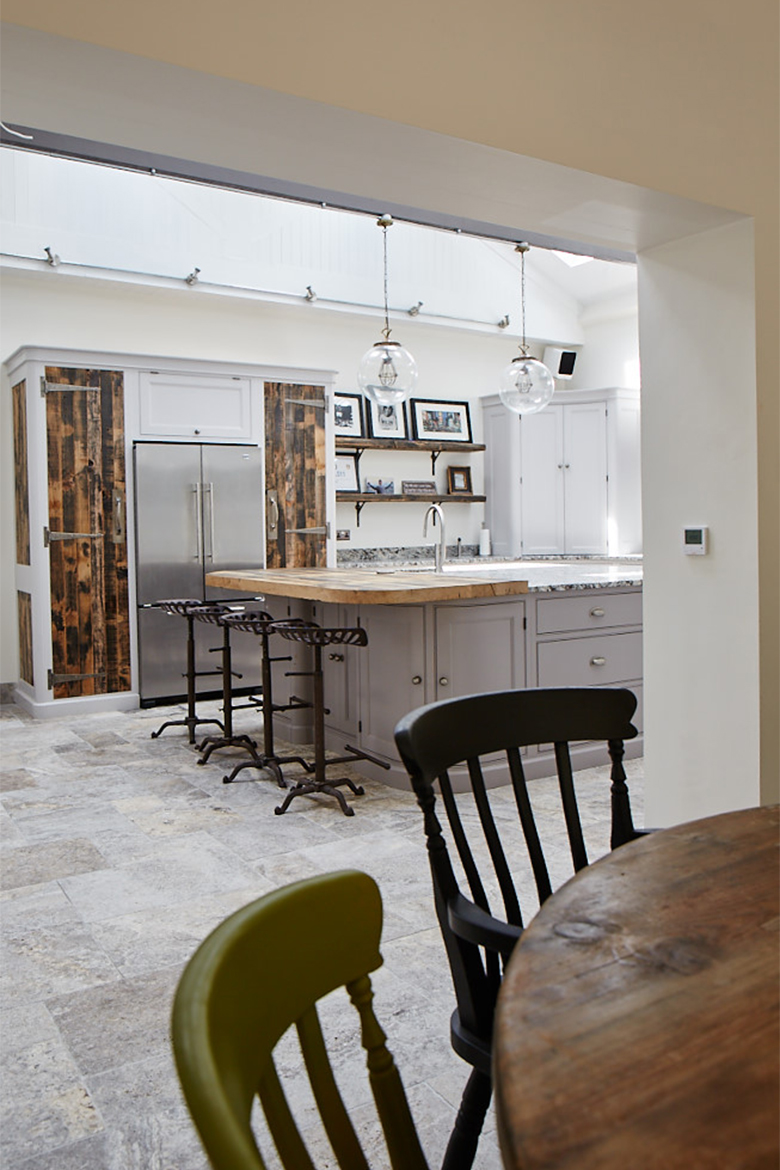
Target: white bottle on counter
(484, 541)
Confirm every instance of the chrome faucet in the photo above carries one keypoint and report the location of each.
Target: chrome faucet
(440, 550)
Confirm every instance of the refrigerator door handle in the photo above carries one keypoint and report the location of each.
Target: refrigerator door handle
(197, 496)
(209, 490)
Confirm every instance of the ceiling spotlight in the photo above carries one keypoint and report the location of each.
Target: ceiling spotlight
(53, 259)
(310, 294)
(192, 278)
(415, 309)
(504, 322)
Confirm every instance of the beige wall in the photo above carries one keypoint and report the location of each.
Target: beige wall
(675, 96)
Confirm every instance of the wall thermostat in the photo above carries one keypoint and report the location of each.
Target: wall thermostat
(695, 541)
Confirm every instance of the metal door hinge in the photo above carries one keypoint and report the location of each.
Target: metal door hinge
(54, 680)
(49, 537)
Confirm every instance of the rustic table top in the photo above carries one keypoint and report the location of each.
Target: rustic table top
(637, 1023)
(369, 587)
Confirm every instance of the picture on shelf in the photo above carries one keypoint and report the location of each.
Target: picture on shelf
(449, 421)
(459, 481)
(386, 422)
(348, 415)
(418, 487)
(346, 473)
(382, 487)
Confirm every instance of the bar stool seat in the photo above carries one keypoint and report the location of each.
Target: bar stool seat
(185, 607)
(316, 780)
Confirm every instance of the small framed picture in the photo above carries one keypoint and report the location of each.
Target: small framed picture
(459, 481)
(348, 415)
(346, 473)
(418, 487)
(386, 422)
(449, 421)
(380, 487)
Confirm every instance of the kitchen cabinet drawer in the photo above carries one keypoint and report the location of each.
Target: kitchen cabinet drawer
(587, 662)
(588, 611)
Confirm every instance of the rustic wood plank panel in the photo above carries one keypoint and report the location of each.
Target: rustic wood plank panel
(21, 474)
(90, 615)
(295, 468)
(24, 603)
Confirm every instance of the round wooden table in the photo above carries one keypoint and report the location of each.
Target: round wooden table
(637, 1024)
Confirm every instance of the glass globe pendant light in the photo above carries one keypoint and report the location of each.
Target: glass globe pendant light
(526, 384)
(387, 372)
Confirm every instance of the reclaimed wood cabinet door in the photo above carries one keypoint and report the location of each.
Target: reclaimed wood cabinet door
(87, 532)
(295, 531)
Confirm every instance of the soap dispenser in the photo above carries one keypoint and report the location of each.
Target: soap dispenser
(484, 541)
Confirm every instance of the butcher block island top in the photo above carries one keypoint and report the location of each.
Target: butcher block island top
(369, 586)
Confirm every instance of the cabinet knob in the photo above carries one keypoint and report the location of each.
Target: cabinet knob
(560, 467)
(444, 682)
(597, 611)
(597, 661)
(416, 679)
(336, 657)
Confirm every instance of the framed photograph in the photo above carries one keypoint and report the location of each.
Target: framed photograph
(459, 481)
(418, 487)
(380, 487)
(348, 416)
(346, 473)
(449, 421)
(386, 422)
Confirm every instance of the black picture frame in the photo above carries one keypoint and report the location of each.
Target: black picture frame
(440, 420)
(386, 422)
(348, 416)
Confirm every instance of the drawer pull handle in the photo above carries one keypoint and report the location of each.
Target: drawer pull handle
(597, 611)
(444, 682)
(416, 679)
(336, 657)
(598, 661)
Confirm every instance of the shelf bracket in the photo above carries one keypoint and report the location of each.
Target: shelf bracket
(359, 506)
(434, 456)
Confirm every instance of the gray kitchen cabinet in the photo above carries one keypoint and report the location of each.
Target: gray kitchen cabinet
(392, 672)
(479, 647)
(340, 671)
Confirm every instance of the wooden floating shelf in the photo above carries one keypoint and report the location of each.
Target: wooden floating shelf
(437, 445)
(399, 498)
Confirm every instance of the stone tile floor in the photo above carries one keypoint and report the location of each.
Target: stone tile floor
(119, 854)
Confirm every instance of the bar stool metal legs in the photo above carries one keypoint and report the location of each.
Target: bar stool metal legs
(262, 624)
(215, 614)
(317, 779)
(183, 607)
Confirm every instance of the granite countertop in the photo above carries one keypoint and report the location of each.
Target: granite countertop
(399, 584)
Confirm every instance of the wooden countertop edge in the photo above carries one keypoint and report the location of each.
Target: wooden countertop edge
(371, 592)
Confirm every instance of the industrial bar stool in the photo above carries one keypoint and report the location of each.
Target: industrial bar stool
(263, 625)
(310, 634)
(215, 613)
(185, 607)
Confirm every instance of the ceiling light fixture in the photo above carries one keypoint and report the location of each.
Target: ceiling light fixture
(310, 294)
(504, 322)
(526, 383)
(192, 278)
(415, 309)
(387, 372)
(53, 259)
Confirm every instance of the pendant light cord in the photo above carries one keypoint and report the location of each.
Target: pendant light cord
(386, 330)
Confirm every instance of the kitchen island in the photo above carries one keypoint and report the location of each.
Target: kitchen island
(474, 627)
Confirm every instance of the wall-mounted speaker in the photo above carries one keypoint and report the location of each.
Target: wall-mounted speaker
(560, 362)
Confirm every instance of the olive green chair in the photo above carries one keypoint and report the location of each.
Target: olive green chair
(261, 971)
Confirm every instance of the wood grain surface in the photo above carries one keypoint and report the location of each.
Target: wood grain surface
(21, 473)
(367, 587)
(637, 1023)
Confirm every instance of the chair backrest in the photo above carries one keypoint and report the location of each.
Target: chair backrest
(434, 740)
(258, 974)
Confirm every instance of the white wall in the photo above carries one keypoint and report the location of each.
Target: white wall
(609, 354)
(697, 336)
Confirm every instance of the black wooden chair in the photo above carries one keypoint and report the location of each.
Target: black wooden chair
(433, 741)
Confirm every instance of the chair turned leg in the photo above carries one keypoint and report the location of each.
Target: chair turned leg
(464, 1139)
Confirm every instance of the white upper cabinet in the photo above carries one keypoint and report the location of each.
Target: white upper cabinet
(565, 480)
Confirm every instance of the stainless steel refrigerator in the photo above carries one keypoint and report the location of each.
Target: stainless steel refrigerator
(198, 508)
